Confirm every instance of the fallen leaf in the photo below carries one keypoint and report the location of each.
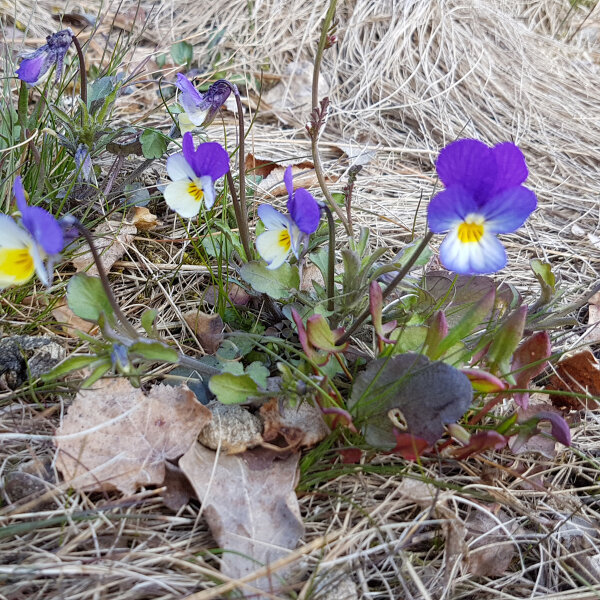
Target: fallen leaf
(263, 166)
(592, 335)
(232, 429)
(273, 185)
(69, 322)
(236, 294)
(115, 436)
(578, 373)
(142, 218)
(529, 361)
(491, 548)
(110, 239)
(301, 426)
(249, 503)
(178, 490)
(207, 328)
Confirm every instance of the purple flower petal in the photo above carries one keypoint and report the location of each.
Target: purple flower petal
(472, 258)
(19, 192)
(304, 210)
(191, 99)
(188, 149)
(210, 159)
(469, 163)
(289, 181)
(560, 428)
(511, 170)
(507, 211)
(216, 95)
(449, 208)
(30, 69)
(44, 228)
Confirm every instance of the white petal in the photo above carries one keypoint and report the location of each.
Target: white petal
(178, 168)
(472, 258)
(208, 188)
(296, 237)
(272, 218)
(197, 117)
(12, 235)
(40, 266)
(270, 249)
(180, 200)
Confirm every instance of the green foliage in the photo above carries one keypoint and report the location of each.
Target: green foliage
(87, 299)
(182, 53)
(280, 284)
(154, 143)
(232, 389)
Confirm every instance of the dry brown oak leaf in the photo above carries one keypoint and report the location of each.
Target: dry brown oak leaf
(115, 436)
(251, 508)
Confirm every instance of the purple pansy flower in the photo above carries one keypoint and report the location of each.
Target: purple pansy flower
(194, 172)
(483, 197)
(200, 109)
(29, 247)
(35, 66)
(287, 232)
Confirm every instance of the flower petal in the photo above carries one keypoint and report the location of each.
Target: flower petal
(30, 69)
(188, 149)
(208, 188)
(272, 218)
(449, 208)
(44, 228)
(179, 199)
(469, 163)
(179, 168)
(289, 181)
(19, 192)
(43, 272)
(304, 210)
(16, 266)
(11, 235)
(508, 210)
(211, 159)
(270, 249)
(472, 258)
(511, 169)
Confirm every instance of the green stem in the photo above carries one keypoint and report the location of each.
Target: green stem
(239, 215)
(330, 262)
(82, 76)
(389, 289)
(315, 106)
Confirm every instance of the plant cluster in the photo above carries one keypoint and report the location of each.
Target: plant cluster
(438, 351)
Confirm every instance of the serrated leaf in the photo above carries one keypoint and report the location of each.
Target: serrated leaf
(182, 53)
(87, 299)
(427, 394)
(154, 351)
(232, 389)
(70, 364)
(279, 283)
(154, 143)
(148, 317)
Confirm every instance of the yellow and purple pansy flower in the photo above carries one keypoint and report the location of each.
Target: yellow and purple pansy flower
(29, 247)
(287, 232)
(194, 172)
(36, 65)
(483, 197)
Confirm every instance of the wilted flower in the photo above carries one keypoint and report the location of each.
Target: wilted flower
(483, 197)
(200, 109)
(29, 246)
(35, 66)
(287, 232)
(83, 163)
(194, 172)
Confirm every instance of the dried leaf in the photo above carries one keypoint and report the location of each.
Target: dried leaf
(263, 165)
(115, 436)
(111, 239)
(236, 294)
(179, 490)
(232, 429)
(302, 426)
(208, 329)
(70, 322)
(273, 185)
(249, 503)
(142, 218)
(592, 335)
(579, 373)
(529, 360)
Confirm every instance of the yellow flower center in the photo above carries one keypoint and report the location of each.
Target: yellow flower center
(284, 240)
(471, 230)
(16, 263)
(195, 191)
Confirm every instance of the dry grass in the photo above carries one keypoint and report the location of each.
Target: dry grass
(405, 79)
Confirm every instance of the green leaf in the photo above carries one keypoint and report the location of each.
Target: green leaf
(409, 339)
(505, 342)
(543, 273)
(154, 351)
(98, 91)
(259, 374)
(148, 317)
(103, 366)
(279, 283)
(471, 320)
(87, 299)
(182, 53)
(232, 389)
(426, 395)
(154, 143)
(70, 364)
(320, 335)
